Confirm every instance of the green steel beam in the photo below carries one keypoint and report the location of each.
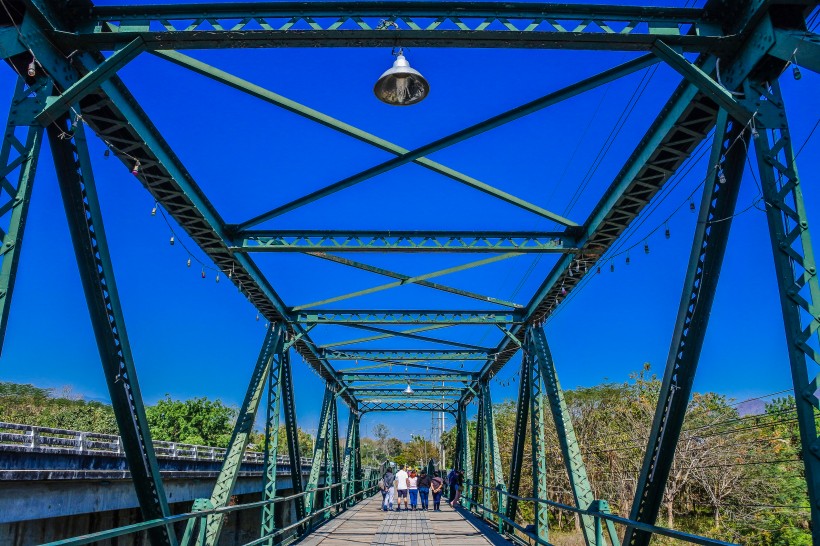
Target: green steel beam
(418, 394)
(272, 446)
(321, 447)
(334, 469)
(114, 114)
(91, 81)
(433, 405)
(478, 456)
(404, 377)
(18, 156)
(539, 404)
(406, 333)
(797, 279)
(493, 473)
(349, 465)
(418, 355)
(522, 415)
(10, 45)
(85, 224)
(703, 81)
(344, 128)
(571, 451)
(717, 206)
(410, 280)
(496, 121)
(394, 275)
(416, 336)
(223, 489)
(420, 24)
(463, 456)
(292, 435)
(797, 46)
(402, 241)
(392, 364)
(371, 316)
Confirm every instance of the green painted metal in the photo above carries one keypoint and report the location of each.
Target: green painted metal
(602, 507)
(56, 106)
(522, 414)
(271, 347)
(496, 121)
(344, 128)
(479, 467)
(18, 155)
(272, 445)
(706, 258)
(390, 334)
(350, 468)
(10, 45)
(292, 435)
(427, 284)
(359, 24)
(402, 241)
(428, 406)
(320, 448)
(797, 46)
(796, 272)
(493, 476)
(410, 280)
(571, 451)
(404, 377)
(405, 354)
(539, 403)
(417, 337)
(453, 317)
(464, 457)
(196, 527)
(85, 224)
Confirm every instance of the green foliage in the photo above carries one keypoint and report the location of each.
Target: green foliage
(195, 421)
(30, 405)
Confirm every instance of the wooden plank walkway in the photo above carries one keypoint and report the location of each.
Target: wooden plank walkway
(366, 524)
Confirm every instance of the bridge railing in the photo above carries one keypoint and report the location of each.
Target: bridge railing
(45, 439)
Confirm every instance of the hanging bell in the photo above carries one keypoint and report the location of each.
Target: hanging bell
(401, 85)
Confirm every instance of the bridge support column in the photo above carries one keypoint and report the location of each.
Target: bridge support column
(272, 346)
(522, 414)
(18, 154)
(796, 271)
(272, 445)
(292, 434)
(493, 476)
(711, 235)
(463, 457)
(350, 467)
(76, 180)
(321, 448)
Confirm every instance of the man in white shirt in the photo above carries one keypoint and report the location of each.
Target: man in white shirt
(401, 487)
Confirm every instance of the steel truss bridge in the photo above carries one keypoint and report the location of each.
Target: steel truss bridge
(67, 89)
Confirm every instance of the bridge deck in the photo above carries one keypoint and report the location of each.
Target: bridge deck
(365, 523)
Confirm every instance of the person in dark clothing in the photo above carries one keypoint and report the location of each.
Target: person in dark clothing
(452, 480)
(436, 486)
(424, 489)
(459, 484)
(386, 487)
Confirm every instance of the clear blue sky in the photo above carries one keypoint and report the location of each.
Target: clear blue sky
(194, 337)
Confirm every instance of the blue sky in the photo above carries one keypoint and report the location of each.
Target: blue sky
(194, 337)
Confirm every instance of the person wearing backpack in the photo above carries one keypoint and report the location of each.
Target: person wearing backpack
(436, 486)
(386, 487)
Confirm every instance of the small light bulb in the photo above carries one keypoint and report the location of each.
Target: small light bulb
(257, 317)
(599, 269)
(691, 206)
(646, 248)
(154, 210)
(107, 153)
(721, 177)
(217, 277)
(795, 72)
(136, 170)
(203, 272)
(627, 259)
(563, 290)
(171, 240)
(755, 134)
(667, 233)
(612, 268)
(189, 262)
(32, 68)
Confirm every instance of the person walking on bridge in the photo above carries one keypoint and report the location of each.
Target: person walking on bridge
(386, 486)
(413, 489)
(401, 488)
(424, 489)
(436, 486)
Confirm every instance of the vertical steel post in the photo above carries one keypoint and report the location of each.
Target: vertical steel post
(571, 451)
(76, 180)
(349, 470)
(18, 154)
(271, 446)
(478, 458)
(272, 346)
(538, 438)
(796, 271)
(705, 260)
(522, 413)
(320, 448)
(493, 473)
(292, 434)
(334, 459)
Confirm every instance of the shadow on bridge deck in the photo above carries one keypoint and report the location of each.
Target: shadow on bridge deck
(366, 523)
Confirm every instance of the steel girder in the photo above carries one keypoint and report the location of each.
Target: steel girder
(85, 223)
(456, 318)
(568, 442)
(270, 351)
(721, 186)
(492, 473)
(275, 378)
(417, 24)
(797, 276)
(416, 355)
(322, 447)
(419, 405)
(538, 438)
(292, 434)
(19, 155)
(401, 241)
(114, 114)
(351, 459)
(390, 377)
(522, 413)
(463, 457)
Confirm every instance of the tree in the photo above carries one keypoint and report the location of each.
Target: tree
(195, 421)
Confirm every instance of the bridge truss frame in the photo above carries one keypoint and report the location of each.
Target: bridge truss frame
(67, 94)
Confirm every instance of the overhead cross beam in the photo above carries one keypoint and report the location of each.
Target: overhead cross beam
(318, 316)
(413, 355)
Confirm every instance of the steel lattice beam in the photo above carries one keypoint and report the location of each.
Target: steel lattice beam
(319, 316)
(415, 355)
(432, 405)
(419, 24)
